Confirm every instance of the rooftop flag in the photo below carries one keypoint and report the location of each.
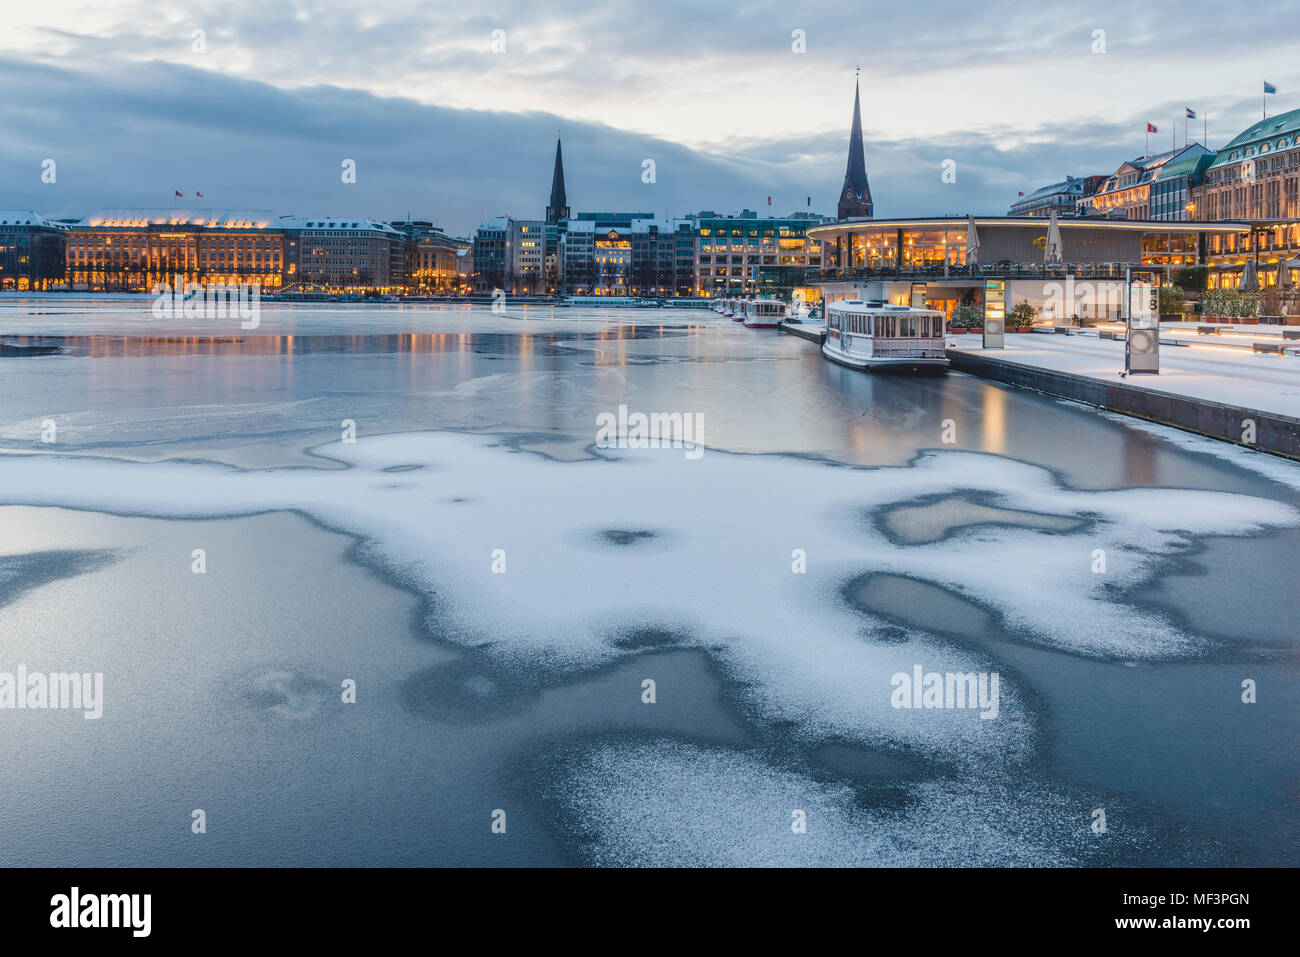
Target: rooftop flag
(1269, 87)
(1191, 114)
(179, 193)
(198, 194)
(1151, 129)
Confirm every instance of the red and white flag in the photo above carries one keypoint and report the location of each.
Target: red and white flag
(1151, 129)
(198, 194)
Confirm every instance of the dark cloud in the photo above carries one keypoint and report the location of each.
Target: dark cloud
(128, 135)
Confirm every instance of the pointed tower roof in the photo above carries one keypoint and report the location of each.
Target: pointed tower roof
(855, 195)
(558, 208)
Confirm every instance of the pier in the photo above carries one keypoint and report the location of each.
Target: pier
(1233, 394)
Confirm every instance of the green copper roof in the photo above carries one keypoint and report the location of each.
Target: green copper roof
(1186, 165)
(1284, 127)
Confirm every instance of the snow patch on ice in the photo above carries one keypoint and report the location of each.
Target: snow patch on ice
(666, 804)
(720, 570)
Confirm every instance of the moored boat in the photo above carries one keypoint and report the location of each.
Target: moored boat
(763, 313)
(883, 338)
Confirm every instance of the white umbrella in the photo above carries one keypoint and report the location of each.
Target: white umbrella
(1052, 250)
(972, 242)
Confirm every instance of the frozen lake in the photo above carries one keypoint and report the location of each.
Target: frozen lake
(500, 590)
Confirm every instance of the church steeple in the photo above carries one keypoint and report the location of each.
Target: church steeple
(558, 208)
(855, 195)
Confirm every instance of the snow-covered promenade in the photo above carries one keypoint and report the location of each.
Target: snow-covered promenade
(1212, 385)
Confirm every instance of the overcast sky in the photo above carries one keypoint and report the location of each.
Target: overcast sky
(448, 121)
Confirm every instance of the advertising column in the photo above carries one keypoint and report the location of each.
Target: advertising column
(995, 313)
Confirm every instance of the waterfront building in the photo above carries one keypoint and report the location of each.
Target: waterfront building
(490, 255)
(1173, 187)
(135, 249)
(1255, 179)
(526, 262)
(1063, 197)
(663, 257)
(1126, 193)
(933, 260)
(595, 254)
(739, 253)
(343, 255)
(33, 251)
(434, 260)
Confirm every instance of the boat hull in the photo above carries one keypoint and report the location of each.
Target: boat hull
(898, 366)
(761, 323)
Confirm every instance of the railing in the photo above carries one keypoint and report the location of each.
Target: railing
(906, 348)
(998, 270)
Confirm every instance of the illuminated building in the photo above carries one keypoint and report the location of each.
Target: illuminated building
(737, 253)
(346, 255)
(32, 250)
(1255, 179)
(899, 260)
(135, 249)
(1126, 193)
(433, 259)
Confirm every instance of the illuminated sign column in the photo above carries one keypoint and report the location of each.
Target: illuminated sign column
(995, 313)
(1142, 344)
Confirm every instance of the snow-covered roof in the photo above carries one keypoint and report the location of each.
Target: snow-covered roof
(663, 225)
(25, 217)
(336, 223)
(218, 218)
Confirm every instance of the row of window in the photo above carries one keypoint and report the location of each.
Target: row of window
(888, 327)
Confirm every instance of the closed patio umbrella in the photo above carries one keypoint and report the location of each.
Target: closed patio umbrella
(1249, 278)
(1052, 251)
(972, 242)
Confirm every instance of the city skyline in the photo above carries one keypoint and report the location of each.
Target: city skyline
(130, 112)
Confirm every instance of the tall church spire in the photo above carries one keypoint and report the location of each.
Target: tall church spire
(558, 208)
(855, 195)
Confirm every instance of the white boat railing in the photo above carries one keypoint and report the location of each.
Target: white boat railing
(907, 348)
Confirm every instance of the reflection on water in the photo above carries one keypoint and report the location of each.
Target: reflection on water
(441, 730)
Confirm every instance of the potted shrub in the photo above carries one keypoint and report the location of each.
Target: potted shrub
(1171, 303)
(1021, 317)
(1229, 305)
(967, 317)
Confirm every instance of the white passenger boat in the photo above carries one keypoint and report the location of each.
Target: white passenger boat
(763, 313)
(737, 311)
(882, 338)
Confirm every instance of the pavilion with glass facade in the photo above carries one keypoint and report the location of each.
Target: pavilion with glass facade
(947, 260)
